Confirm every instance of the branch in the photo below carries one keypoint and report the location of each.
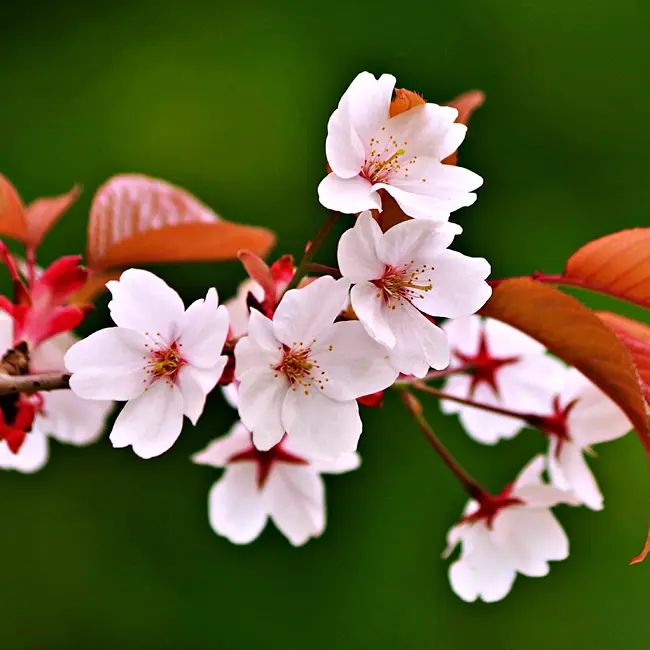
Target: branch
(413, 406)
(10, 385)
(303, 267)
(528, 417)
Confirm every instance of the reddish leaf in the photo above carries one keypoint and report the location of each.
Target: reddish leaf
(12, 212)
(617, 265)
(574, 333)
(644, 552)
(43, 213)
(135, 219)
(95, 284)
(465, 104)
(404, 100)
(258, 271)
(636, 337)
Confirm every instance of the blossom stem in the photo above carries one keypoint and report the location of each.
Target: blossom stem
(322, 269)
(430, 390)
(10, 384)
(434, 374)
(413, 406)
(317, 242)
(30, 256)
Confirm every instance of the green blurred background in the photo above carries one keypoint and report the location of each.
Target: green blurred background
(231, 100)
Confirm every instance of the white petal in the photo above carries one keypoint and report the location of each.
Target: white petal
(420, 206)
(307, 313)
(530, 384)
(347, 195)
(238, 308)
(192, 393)
(260, 330)
(532, 537)
(570, 471)
(337, 465)
(150, 423)
(221, 450)
(261, 395)
(357, 250)
(202, 331)
(531, 474)
(483, 570)
(595, 418)
(236, 505)
(296, 498)
(6, 331)
(321, 426)
(419, 343)
(108, 364)
(427, 130)
(370, 308)
(48, 355)
(343, 146)
(31, 456)
(448, 183)
(207, 378)
(464, 335)
(351, 363)
(506, 341)
(145, 303)
(368, 102)
(483, 426)
(415, 241)
(230, 393)
(545, 496)
(71, 419)
(458, 286)
(249, 356)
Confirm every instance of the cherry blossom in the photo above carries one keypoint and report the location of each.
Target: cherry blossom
(513, 532)
(57, 414)
(403, 274)
(368, 151)
(282, 484)
(582, 416)
(301, 372)
(498, 366)
(161, 358)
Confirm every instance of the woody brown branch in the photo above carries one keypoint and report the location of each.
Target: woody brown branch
(33, 383)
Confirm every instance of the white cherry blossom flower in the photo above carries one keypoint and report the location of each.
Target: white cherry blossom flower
(162, 359)
(403, 274)
(514, 532)
(367, 151)
(582, 416)
(505, 368)
(237, 307)
(301, 372)
(282, 484)
(62, 415)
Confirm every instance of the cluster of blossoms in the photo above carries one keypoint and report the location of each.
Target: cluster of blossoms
(298, 349)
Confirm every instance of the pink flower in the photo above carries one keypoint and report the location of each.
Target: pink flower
(283, 484)
(161, 358)
(367, 151)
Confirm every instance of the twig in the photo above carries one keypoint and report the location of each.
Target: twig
(10, 385)
(317, 242)
(473, 489)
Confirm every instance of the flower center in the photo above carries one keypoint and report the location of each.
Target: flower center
(483, 366)
(403, 283)
(386, 157)
(163, 361)
(301, 369)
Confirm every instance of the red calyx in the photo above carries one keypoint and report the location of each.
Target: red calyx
(16, 420)
(483, 366)
(264, 460)
(490, 506)
(374, 400)
(555, 425)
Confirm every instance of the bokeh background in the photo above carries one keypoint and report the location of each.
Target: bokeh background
(101, 550)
